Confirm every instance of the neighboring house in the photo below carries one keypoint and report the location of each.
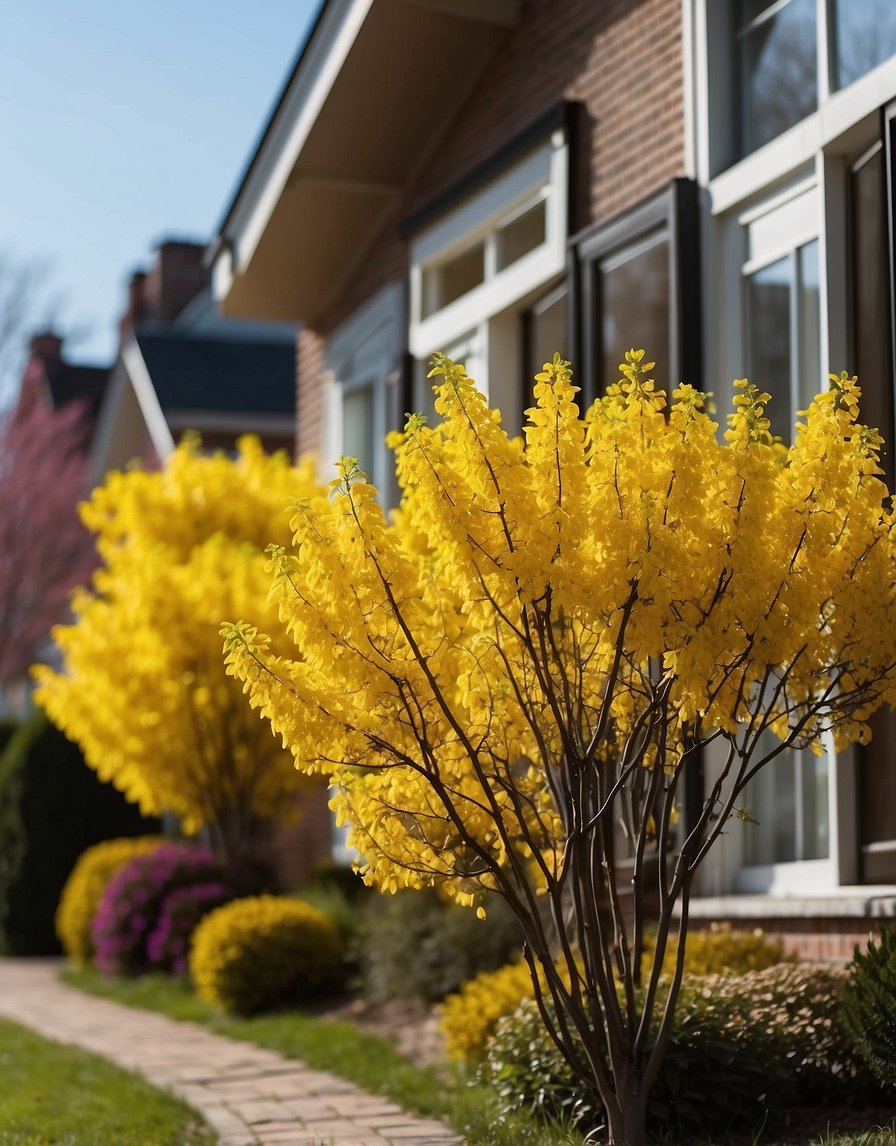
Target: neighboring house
(50, 379)
(182, 367)
(500, 179)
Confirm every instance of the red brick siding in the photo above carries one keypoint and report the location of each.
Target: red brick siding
(292, 849)
(622, 59)
(818, 939)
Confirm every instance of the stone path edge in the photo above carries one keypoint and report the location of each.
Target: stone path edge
(247, 1094)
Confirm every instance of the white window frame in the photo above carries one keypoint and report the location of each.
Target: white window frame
(779, 229)
(817, 151)
(839, 111)
(366, 350)
(542, 174)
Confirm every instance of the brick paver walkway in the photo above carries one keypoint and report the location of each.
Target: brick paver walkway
(249, 1095)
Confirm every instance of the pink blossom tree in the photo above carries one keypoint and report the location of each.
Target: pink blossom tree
(44, 550)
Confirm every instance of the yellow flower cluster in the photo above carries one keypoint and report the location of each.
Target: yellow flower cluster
(516, 615)
(468, 1018)
(142, 688)
(84, 888)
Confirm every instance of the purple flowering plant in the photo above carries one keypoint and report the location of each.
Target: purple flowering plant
(168, 944)
(131, 908)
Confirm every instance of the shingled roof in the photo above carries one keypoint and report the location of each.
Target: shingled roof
(194, 372)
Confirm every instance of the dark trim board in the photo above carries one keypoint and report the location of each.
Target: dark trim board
(563, 115)
(675, 211)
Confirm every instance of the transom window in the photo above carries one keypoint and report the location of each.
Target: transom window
(483, 263)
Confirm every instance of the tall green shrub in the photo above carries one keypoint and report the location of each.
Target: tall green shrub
(52, 806)
(869, 1005)
(414, 944)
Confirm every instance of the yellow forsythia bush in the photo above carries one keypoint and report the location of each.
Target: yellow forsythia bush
(85, 886)
(720, 950)
(468, 1019)
(254, 954)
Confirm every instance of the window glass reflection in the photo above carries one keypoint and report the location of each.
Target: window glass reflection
(809, 325)
(521, 235)
(768, 341)
(546, 332)
(870, 356)
(777, 57)
(634, 306)
(358, 440)
(864, 35)
(790, 803)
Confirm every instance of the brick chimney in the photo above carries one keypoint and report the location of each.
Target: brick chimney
(136, 308)
(43, 365)
(175, 278)
(46, 348)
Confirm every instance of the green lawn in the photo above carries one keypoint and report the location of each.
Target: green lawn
(52, 1094)
(340, 1047)
(374, 1064)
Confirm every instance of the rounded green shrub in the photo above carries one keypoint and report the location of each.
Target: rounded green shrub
(84, 890)
(52, 806)
(744, 1048)
(869, 1005)
(259, 953)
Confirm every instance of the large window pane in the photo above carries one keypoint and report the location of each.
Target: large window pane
(358, 439)
(546, 333)
(634, 306)
(768, 340)
(790, 804)
(778, 76)
(864, 35)
(771, 800)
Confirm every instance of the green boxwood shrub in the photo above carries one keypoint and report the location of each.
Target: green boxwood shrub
(869, 1005)
(258, 953)
(415, 945)
(52, 806)
(744, 1049)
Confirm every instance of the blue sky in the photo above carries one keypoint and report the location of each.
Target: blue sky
(124, 123)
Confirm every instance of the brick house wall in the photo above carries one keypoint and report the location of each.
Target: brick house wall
(632, 135)
(814, 939)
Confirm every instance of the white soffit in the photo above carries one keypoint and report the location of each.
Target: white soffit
(376, 84)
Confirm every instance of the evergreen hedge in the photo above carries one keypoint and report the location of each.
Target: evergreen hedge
(52, 807)
(869, 1004)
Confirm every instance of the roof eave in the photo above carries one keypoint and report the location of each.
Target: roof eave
(317, 192)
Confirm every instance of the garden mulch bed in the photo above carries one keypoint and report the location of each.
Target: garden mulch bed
(806, 1124)
(406, 1023)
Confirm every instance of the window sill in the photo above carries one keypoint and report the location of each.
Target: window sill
(875, 902)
